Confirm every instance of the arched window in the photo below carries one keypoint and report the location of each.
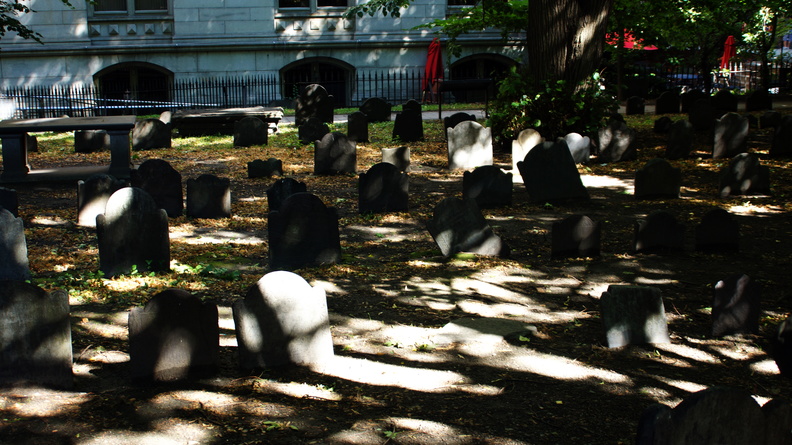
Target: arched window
(334, 75)
(136, 86)
(480, 66)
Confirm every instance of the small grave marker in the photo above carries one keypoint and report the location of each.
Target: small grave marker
(550, 174)
(658, 179)
(302, 233)
(92, 196)
(383, 188)
(526, 140)
(469, 145)
(488, 185)
(282, 189)
(357, 127)
(314, 102)
(576, 236)
(209, 196)
(14, 263)
(731, 136)
(680, 140)
(617, 143)
(149, 134)
(735, 306)
(265, 169)
(376, 109)
(335, 154)
(398, 156)
(163, 183)
(633, 315)
(659, 232)
(458, 226)
(718, 232)
(250, 131)
(745, 176)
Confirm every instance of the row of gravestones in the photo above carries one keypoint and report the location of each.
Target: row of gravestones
(724, 101)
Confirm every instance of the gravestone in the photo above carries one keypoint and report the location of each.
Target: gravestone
(311, 130)
(303, 233)
(408, 126)
(576, 236)
(680, 140)
(469, 145)
(91, 141)
(383, 188)
(132, 234)
(282, 189)
(731, 136)
(617, 143)
(660, 232)
(550, 174)
(31, 143)
(662, 125)
(209, 197)
(313, 102)
(376, 109)
(9, 200)
(265, 169)
(174, 336)
(489, 186)
(335, 153)
(398, 156)
(745, 176)
(457, 225)
(758, 100)
(579, 147)
(283, 321)
(357, 127)
(14, 263)
(457, 118)
(633, 315)
(149, 134)
(724, 101)
(250, 131)
(701, 115)
(163, 183)
(658, 179)
(781, 344)
(412, 105)
(770, 119)
(35, 336)
(667, 103)
(526, 140)
(635, 105)
(688, 98)
(166, 117)
(718, 232)
(92, 196)
(735, 306)
(782, 139)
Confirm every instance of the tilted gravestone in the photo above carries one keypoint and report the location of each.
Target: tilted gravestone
(635, 105)
(398, 156)
(469, 145)
(781, 344)
(314, 102)
(735, 306)
(283, 321)
(335, 153)
(724, 101)
(35, 336)
(633, 315)
(489, 186)
(282, 189)
(457, 118)
(250, 131)
(526, 140)
(14, 263)
(209, 196)
(383, 188)
(303, 233)
(357, 127)
(9, 200)
(576, 236)
(408, 126)
(132, 234)
(782, 139)
(149, 134)
(616, 143)
(680, 140)
(658, 179)
(163, 183)
(579, 147)
(311, 130)
(174, 336)
(91, 141)
(758, 100)
(667, 103)
(265, 169)
(550, 174)
(376, 109)
(701, 115)
(718, 232)
(688, 98)
(731, 136)
(662, 125)
(745, 176)
(457, 225)
(92, 196)
(659, 232)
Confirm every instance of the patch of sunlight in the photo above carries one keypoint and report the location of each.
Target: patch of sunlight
(748, 208)
(468, 285)
(609, 182)
(553, 366)
(426, 432)
(658, 394)
(114, 327)
(767, 367)
(434, 303)
(171, 432)
(210, 236)
(329, 288)
(225, 321)
(253, 199)
(49, 220)
(297, 390)
(649, 281)
(127, 283)
(684, 385)
(531, 313)
(39, 402)
(687, 352)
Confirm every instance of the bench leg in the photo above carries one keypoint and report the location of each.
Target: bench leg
(15, 159)
(120, 155)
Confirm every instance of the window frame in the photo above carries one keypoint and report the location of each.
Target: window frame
(313, 8)
(130, 10)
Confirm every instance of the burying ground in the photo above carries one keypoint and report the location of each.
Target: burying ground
(398, 376)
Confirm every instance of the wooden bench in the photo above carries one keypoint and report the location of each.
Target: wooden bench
(210, 122)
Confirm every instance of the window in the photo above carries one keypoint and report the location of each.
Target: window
(130, 6)
(462, 2)
(311, 4)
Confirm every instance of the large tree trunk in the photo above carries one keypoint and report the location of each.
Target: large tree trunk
(565, 38)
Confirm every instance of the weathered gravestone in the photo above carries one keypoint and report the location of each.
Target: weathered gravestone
(31, 143)
(662, 125)
(174, 336)
(383, 188)
(701, 115)
(13, 248)
(163, 183)
(250, 131)
(149, 134)
(167, 117)
(9, 200)
(717, 415)
(635, 105)
(576, 236)
(408, 126)
(680, 140)
(209, 197)
(376, 109)
(526, 140)
(265, 169)
(579, 147)
(457, 225)
(398, 156)
(335, 153)
(283, 321)
(91, 141)
(92, 196)
(282, 189)
(718, 232)
(35, 336)
(313, 129)
(550, 174)
(303, 232)
(782, 139)
(489, 186)
(457, 118)
(724, 101)
(313, 102)
(667, 103)
(745, 176)
(633, 315)
(688, 98)
(469, 145)
(412, 105)
(758, 100)
(616, 143)
(659, 232)
(781, 344)
(731, 136)
(770, 119)
(357, 127)
(658, 179)
(132, 234)
(735, 306)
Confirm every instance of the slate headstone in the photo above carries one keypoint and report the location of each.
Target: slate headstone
(735, 306)
(782, 139)
(724, 101)
(166, 117)
(633, 315)
(31, 143)
(617, 143)
(635, 105)
(758, 100)
(209, 196)
(398, 156)
(781, 344)
(335, 153)
(408, 126)
(92, 196)
(456, 118)
(688, 98)
(163, 183)
(770, 119)
(9, 200)
(550, 174)
(745, 175)
(718, 232)
(662, 125)
(265, 169)
(469, 146)
(91, 141)
(282, 189)
(458, 225)
(149, 134)
(526, 140)
(731, 136)
(173, 337)
(660, 232)
(250, 131)
(489, 186)
(412, 105)
(311, 130)
(14, 263)
(376, 109)
(383, 188)
(680, 140)
(576, 236)
(314, 102)
(357, 127)
(701, 115)
(302, 233)
(667, 103)
(579, 147)
(658, 179)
